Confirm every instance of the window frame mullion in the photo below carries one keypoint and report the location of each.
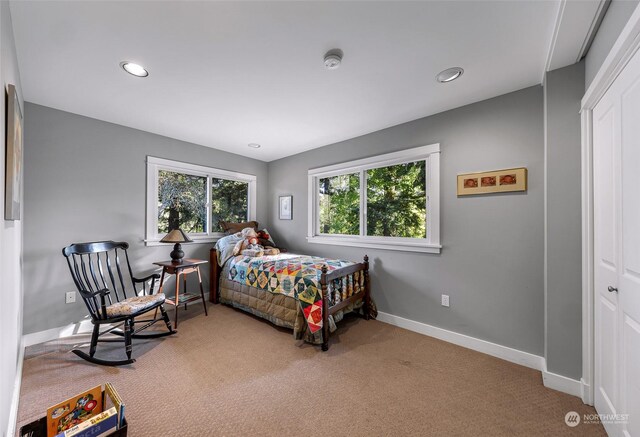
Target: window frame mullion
(363, 203)
(154, 182)
(427, 196)
(209, 207)
(317, 205)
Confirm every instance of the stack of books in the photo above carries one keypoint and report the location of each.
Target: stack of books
(95, 412)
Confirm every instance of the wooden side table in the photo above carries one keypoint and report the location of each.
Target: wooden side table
(182, 269)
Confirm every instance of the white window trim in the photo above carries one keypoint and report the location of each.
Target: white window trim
(154, 165)
(431, 244)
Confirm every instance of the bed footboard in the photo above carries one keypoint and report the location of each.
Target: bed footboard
(356, 276)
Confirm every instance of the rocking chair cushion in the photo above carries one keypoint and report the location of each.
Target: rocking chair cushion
(134, 305)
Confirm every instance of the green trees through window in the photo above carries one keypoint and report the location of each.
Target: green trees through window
(195, 198)
(229, 202)
(340, 204)
(395, 202)
(181, 202)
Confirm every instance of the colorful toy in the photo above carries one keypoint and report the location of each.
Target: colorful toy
(250, 244)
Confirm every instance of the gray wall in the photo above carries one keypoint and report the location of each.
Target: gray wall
(85, 181)
(10, 241)
(563, 91)
(612, 24)
(492, 261)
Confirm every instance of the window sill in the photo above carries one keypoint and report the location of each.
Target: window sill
(398, 246)
(196, 240)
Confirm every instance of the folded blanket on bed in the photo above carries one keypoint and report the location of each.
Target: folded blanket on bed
(290, 274)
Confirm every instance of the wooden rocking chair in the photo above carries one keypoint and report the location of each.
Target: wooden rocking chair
(98, 275)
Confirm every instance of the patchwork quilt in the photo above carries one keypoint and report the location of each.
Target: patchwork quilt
(294, 275)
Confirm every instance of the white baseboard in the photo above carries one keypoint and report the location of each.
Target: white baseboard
(82, 327)
(550, 380)
(78, 328)
(506, 353)
(585, 392)
(561, 383)
(15, 399)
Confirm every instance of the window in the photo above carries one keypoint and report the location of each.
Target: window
(339, 200)
(195, 198)
(229, 202)
(390, 201)
(182, 202)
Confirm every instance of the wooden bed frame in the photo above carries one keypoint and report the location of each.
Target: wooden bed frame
(325, 278)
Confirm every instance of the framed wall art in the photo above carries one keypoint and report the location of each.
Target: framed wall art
(13, 170)
(285, 208)
(497, 181)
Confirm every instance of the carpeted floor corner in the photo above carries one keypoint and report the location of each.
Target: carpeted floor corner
(231, 374)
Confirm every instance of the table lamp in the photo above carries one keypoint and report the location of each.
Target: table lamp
(176, 236)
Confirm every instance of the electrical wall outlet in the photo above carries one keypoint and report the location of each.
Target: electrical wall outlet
(70, 297)
(445, 300)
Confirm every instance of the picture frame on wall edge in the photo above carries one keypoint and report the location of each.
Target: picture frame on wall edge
(285, 207)
(13, 171)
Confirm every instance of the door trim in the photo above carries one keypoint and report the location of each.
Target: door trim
(622, 51)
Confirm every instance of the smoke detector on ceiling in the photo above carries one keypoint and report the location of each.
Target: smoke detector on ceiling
(333, 59)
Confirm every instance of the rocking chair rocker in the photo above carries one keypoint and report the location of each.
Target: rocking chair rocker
(96, 271)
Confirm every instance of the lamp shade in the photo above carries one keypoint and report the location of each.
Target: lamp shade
(176, 236)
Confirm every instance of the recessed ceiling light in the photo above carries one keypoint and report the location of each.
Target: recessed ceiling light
(254, 145)
(449, 74)
(333, 59)
(135, 69)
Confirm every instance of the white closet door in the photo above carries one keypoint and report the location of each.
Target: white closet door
(606, 133)
(629, 279)
(616, 133)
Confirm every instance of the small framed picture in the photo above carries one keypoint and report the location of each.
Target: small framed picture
(286, 208)
(497, 181)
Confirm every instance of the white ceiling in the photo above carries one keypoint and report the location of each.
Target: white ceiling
(225, 74)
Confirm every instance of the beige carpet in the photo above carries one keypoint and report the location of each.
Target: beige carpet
(232, 374)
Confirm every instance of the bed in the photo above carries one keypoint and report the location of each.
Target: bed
(305, 293)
